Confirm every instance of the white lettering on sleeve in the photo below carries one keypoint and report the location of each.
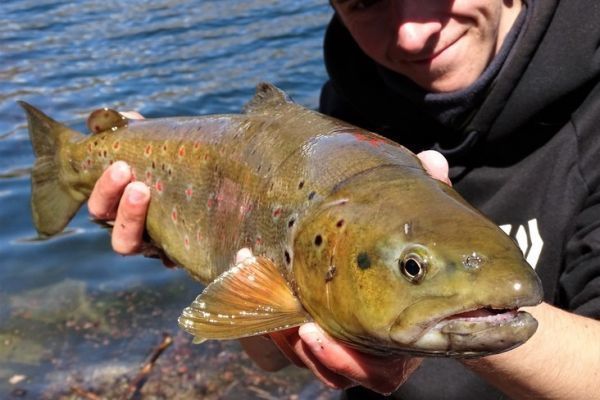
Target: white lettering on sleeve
(528, 238)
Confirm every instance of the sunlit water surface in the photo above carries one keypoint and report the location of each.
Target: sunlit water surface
(73, 314)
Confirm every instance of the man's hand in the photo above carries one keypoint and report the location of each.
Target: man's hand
(115, 196)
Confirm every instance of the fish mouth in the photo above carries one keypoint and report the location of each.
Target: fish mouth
(477, 332)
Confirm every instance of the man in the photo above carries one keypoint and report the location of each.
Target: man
(508, 92)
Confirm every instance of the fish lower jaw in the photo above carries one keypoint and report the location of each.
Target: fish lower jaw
(475, 333)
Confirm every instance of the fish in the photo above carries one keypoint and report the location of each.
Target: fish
(346, 227)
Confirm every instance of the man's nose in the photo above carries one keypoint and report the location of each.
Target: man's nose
(416, 26)
(414, 37)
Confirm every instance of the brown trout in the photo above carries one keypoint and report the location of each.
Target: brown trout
(346, 227)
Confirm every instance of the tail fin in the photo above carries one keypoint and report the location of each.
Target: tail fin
(53, 203)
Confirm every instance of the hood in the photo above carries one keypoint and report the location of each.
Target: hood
(546, 76)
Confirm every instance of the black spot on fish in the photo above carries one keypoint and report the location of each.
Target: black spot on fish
(340, 223)
(288, 259)
(311, 195)
(301, 185)
(363, 260)
(153, 165)
(318, 240)
(291, 222)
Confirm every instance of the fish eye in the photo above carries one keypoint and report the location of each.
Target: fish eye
(413, 267)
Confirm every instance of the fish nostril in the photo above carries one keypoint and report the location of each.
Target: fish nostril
(473, 261)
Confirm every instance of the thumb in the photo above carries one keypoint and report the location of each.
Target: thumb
(435, 164)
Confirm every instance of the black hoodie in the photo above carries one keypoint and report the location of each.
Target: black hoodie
(528, 157)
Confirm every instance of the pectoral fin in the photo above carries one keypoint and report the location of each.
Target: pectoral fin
(250, 299)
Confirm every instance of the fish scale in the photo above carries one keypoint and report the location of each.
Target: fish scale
(333, 214)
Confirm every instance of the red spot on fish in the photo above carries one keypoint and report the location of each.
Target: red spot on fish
(211, 202)
(148, 150)
(258, 241)
(189, 192)
(181, 151)
(372, 140)
(116, 145)
(159, 186)
(174, 215)
(148, 176)
(277, 212)
(186, 242)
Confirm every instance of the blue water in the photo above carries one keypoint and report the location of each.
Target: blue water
(71, 311)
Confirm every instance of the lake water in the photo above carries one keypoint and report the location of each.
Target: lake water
(74, 316)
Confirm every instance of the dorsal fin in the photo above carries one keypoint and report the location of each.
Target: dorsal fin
(267, 97)
(106, 119)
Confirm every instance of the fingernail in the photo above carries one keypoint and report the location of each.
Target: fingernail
(312, 335)
(136, 194)
(119, 172)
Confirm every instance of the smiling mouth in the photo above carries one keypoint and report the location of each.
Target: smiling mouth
(426, 59)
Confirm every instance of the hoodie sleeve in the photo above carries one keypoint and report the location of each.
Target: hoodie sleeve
(580, 280)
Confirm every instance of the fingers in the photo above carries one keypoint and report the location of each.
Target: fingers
(381, 374)
(108, 190)
(286, 341)
(243, 254)
(301, 353)
(115, 197)
(435, 164)
(130, 220)
(264, 353)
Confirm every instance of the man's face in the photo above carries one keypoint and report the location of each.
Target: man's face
(441, 45)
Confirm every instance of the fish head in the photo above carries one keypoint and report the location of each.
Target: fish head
(412, 268)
